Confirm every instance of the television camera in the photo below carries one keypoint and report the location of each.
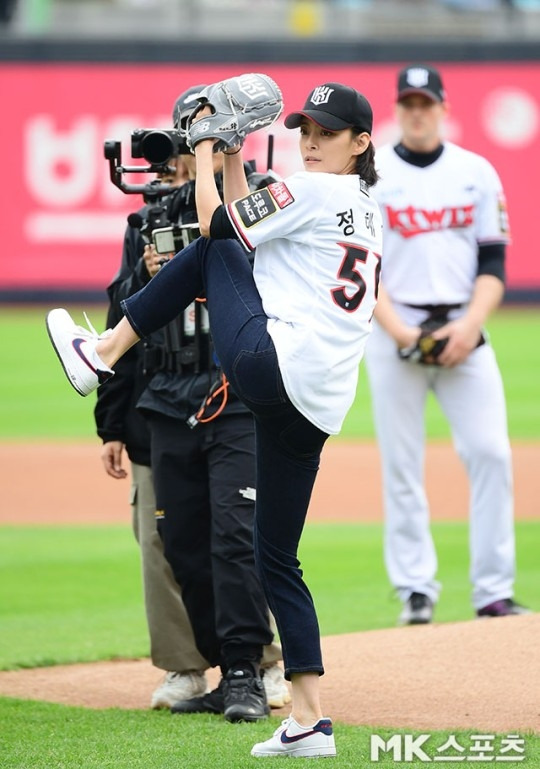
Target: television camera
(157, 147)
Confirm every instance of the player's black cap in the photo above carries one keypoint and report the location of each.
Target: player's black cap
(334, 106)
(185, 104)
(419, 78)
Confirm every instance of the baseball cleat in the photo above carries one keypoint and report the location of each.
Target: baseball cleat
(417, 610)
(76, 350)
(506, 607)
(295, 741)
(277, 691)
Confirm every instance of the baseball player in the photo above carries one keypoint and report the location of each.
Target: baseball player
(289, 335)
(445, 236)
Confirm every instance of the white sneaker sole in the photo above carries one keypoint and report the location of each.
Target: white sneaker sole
(166, 700)
(326, 752)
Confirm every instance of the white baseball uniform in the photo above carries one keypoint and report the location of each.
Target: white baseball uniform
(434, 218)
(317, 263)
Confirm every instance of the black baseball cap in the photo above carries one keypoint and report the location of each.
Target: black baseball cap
(420, 79)
(334, 106)
(185, 104)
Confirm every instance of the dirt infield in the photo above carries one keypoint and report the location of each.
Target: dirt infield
(476, 674)
(453, 676)
(40, 483)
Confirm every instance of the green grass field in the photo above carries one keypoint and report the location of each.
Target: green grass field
(36, 401)
(39, 736)
(73, 594)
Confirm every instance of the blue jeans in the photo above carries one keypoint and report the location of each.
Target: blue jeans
(288, 445)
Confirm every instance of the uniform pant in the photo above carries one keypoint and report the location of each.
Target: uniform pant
(205, 496)
(288, 445)
(172, 645)
(472, 399)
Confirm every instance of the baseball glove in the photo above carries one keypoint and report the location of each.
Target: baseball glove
(240, 105)
(427, 349)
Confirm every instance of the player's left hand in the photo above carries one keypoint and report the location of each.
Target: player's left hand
(203, 112)
(463, 336)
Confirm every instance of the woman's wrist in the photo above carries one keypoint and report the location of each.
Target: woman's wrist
(234, 152)
(205, 145)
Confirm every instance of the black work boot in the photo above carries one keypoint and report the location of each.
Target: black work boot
(244, 696)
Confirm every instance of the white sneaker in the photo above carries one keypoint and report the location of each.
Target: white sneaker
(76, 350)
(179, 686)
(296, 741)
(277, 691)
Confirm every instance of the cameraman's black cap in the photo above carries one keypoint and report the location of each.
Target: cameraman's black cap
(334, 106)
(420, 79)
(185, 104)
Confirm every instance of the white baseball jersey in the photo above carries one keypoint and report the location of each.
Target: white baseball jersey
(434, 219)
(317, 261)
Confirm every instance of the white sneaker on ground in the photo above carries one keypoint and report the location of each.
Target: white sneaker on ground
(296, 741)
(76, 350)
(179, 686)
(277, 691)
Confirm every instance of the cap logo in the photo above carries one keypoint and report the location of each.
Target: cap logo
(321, 94)
(417, 77)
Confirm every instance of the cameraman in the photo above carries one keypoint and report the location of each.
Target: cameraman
(119, 425)
(204, 479)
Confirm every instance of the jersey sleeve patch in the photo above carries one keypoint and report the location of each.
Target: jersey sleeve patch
(281, 194)
(255, 207)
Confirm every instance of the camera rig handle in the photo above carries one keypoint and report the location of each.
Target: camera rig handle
(150, 191)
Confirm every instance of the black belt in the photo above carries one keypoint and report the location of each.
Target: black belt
(436, 309)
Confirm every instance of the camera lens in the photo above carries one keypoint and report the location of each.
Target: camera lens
(157, 147)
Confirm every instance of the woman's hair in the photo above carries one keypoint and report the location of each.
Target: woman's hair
(365, 163)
